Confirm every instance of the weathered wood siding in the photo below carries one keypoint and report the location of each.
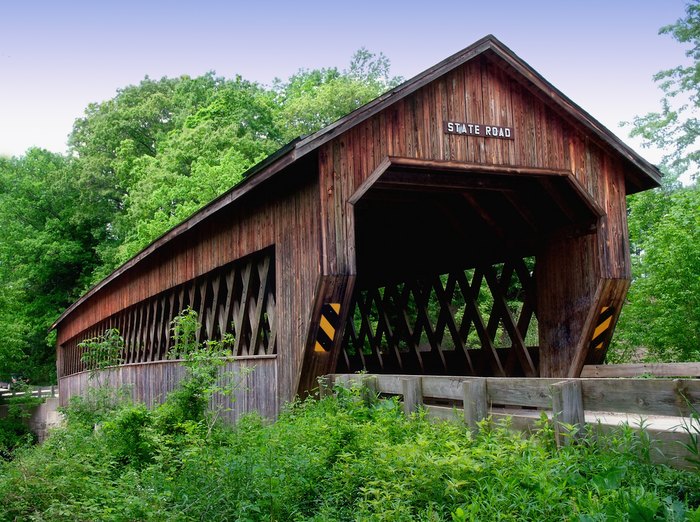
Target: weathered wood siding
(482, 91)
(151, 382)
(285, 214)
(478, 92)
(306, 214)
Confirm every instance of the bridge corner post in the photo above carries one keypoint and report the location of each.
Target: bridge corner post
(566, 275)
(326, 327)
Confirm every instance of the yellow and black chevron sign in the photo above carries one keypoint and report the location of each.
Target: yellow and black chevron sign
(602, 327)
(330, 321)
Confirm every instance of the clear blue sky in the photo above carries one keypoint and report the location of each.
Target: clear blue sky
(58, 56)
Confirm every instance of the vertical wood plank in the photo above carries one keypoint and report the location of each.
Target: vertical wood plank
(412, 394)
(475, 399)
(567, 406)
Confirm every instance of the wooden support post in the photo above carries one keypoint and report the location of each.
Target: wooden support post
(370, 388)
(566, 278)
(475, 401)
(325, 333)
(567, 406)
(325, 386)
(412, 388)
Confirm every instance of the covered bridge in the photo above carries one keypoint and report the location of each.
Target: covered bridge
(471, 221)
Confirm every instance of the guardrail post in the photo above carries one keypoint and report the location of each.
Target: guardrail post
(567, 407)
(412, 388)
(370, 388)
(325, 386)
(53, 390)
(475, 401)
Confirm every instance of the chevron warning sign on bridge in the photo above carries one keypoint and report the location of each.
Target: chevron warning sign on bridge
(328, 326)
(602, 327)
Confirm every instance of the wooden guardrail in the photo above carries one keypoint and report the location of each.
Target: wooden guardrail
(691, 369)
(662, 406)
(34, 391)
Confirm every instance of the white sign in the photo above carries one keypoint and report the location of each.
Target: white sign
(478, 129)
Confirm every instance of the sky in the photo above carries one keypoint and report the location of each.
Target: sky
(58, 56)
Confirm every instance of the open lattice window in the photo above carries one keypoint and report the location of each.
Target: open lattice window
(479, 321)
(236, 299)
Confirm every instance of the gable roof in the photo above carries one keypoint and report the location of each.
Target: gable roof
(643, 175)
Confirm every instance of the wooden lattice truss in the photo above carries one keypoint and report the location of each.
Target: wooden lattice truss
(478, 321)
(237, 299)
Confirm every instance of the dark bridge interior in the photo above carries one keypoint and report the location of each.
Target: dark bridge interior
(445, 268)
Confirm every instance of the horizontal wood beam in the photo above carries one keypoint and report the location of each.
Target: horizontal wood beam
(691, 369)
(663, 397)
(458, 166)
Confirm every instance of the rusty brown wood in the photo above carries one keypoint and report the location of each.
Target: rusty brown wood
(146, 327)
(310, 216)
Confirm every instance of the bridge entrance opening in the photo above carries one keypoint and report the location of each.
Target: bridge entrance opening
(445, 263)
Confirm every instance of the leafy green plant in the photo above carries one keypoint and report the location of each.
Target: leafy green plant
(129, 435)
(14, 432)
(340, 458)
(205, 372)
(691, 427)
(95, 405)
(102, 352)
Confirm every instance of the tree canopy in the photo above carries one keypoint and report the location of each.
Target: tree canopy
(661, 320)
(47, 252)
(676, 127)
(138, 164)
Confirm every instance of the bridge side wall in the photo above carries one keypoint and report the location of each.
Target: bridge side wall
(283, 215)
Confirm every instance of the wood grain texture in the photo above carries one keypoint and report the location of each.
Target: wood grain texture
(385, 196)
(571, 260)
(254, 379)
(567, 405)
(640, 369)
(474, 402)
(433, 324)
(286, 216)
(665, 397)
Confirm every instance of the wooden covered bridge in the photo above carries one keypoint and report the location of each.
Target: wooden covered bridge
(471, 221)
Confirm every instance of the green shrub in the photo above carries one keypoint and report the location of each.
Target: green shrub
(14, 432)
(349, 457)
(204, 364)
(97, 404)
(129, 435)
(102, 351)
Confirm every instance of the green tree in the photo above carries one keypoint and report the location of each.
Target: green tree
(47, 254)
(113, 136)
(196, 162)
(662, 314)
(661, 320)
(676, 126)
(310, 100)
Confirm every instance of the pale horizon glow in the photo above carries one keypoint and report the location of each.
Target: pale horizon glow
(57, 57)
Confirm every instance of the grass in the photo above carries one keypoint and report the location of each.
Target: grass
(337, 459)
